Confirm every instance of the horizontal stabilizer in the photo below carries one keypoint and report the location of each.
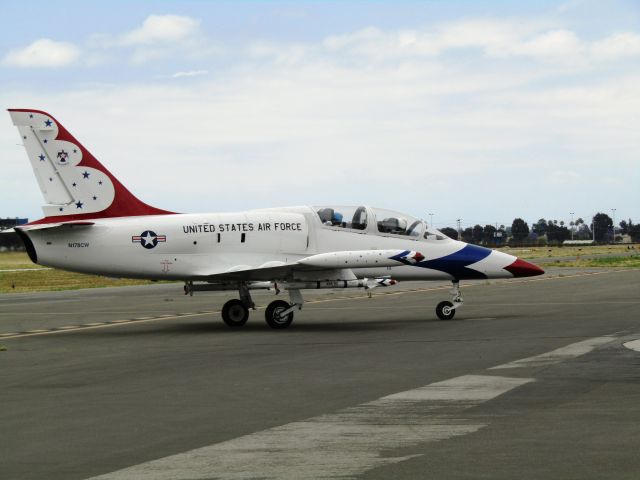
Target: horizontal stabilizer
(48, 226)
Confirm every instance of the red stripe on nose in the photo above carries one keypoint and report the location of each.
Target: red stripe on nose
(520, 268)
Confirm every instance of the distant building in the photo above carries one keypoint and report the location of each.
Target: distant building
(10, 240)
(578, 242)
(12, 222)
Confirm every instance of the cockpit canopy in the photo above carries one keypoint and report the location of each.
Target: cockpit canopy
(396, 223)
(377, 221)
(345, 217)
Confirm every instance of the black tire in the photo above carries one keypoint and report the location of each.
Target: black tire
(234, 313)
(445, 311)
(272, 314)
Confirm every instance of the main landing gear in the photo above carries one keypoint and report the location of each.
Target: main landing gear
(235, 313)
(278, 315)
(446, 310)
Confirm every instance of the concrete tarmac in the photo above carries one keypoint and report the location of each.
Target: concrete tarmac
(530, 380)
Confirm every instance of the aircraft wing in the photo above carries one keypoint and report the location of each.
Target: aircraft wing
(323, 266)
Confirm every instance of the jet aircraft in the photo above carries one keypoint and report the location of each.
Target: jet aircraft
(93, 224)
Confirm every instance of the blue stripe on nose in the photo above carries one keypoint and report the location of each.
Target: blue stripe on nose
(456, 263)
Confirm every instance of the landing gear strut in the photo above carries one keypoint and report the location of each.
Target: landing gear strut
(446, 310)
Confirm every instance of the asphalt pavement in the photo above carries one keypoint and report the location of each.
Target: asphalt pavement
(529, 380)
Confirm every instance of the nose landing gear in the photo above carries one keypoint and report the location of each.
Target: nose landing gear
(446, 310)
(275, 315)
(279, 314)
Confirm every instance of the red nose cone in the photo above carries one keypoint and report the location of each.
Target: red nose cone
(520, 268)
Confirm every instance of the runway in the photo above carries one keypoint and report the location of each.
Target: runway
(530, 380)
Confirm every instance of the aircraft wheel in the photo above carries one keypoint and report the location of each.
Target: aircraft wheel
(445, 310)
(234, 313)
(272, 314)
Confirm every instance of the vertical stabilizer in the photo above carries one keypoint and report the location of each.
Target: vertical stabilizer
(74, 184)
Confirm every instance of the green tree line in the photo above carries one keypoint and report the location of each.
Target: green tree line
(600, 229)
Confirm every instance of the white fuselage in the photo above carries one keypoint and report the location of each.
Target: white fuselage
(197, 246)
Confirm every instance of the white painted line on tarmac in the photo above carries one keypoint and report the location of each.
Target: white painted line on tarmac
(113, 323)
(344, 444)
(558, 355)
(468, 388)
(24, 269)
(335, 299)
(633, 345)
(95, 312)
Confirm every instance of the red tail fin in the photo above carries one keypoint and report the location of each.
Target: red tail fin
(74, 184)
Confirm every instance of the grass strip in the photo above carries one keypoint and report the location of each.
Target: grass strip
(632, 261)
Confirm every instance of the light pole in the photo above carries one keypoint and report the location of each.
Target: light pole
(614, 224)
(572, 225)
(459, 229)
(431, 220)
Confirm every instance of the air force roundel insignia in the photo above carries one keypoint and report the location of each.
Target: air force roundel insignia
(148, 239)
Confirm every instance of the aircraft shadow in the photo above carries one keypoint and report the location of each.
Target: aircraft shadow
(216, 326)
(219, 328)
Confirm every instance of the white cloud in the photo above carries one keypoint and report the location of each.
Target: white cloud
(551, 45)
(159, 37)
(617, 46)
(161, 29)
(397, 115)
(493, 38)
(377, 44)
(190, 73)
(43, 53)
(490, 36)
(337, 124)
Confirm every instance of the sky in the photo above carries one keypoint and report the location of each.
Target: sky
(483, 111)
